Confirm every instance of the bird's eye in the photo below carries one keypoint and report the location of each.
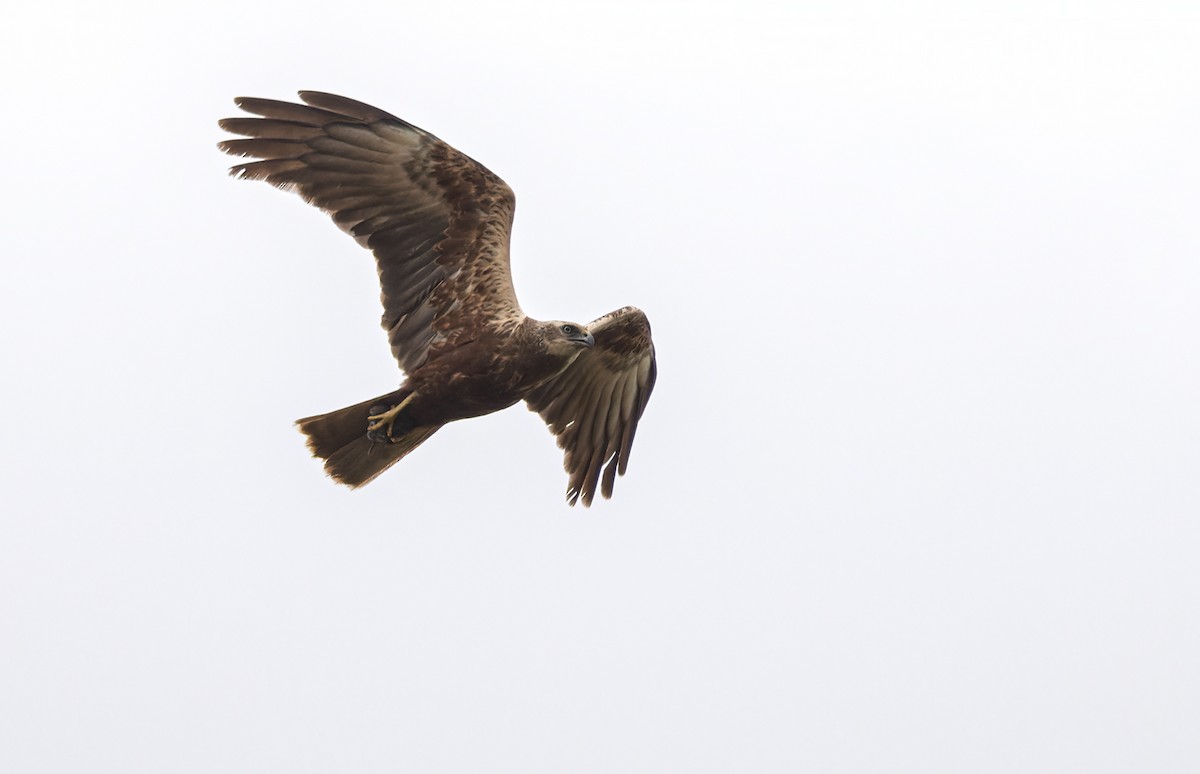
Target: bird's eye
(570, 330)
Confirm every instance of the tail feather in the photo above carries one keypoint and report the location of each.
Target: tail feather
(340, 438)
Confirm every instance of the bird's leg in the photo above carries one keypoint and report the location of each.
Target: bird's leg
(381, 424)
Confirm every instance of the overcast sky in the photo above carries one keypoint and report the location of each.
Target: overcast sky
(918, 490)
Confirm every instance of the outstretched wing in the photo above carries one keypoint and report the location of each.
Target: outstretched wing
(437, 221)
(594, 406)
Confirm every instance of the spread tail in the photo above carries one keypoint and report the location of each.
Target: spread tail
(351, 458)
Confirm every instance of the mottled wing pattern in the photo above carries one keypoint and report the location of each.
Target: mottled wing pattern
(594, 406)
(437, 221)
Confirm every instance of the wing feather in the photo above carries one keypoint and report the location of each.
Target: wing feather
(437, 221)
(594, 406)
(270, 128)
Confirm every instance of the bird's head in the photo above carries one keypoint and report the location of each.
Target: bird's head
(566, 338)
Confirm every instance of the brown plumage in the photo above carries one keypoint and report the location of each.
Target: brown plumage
(438, 223)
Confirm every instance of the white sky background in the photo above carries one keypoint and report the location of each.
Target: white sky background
(917, 490)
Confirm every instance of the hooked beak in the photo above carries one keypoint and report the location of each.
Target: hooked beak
(588, 341)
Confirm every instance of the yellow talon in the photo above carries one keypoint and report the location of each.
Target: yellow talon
(387, 418)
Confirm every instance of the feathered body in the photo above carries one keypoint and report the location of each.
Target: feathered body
(484, 375)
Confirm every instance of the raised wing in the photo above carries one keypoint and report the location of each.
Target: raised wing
(437, 221)
(594, 406)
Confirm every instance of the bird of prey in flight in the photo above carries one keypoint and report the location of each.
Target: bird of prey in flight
(438, 223)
